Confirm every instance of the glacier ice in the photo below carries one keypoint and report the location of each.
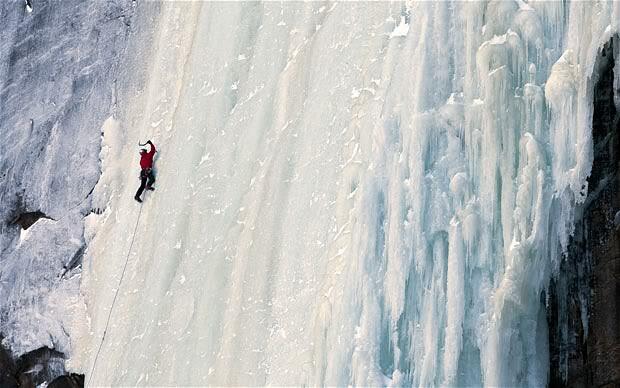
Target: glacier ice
(339, 202)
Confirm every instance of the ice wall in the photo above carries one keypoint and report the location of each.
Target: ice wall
(348, 193)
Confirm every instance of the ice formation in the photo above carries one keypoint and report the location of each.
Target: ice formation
(342, 198)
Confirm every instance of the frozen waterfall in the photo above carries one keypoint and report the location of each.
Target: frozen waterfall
(347, 193)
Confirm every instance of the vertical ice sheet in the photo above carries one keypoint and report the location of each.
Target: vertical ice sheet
(340, 204)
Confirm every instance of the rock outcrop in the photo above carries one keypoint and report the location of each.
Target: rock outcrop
(584, 303)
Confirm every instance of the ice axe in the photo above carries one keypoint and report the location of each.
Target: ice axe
(142, 145)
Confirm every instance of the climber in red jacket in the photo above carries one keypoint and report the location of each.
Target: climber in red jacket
(146, 163)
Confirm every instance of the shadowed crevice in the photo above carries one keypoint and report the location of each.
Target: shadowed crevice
(27, 219)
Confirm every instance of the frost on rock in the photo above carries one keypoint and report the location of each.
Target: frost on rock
(56, 65)
(336, 207)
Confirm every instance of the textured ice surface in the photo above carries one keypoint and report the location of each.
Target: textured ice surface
(348, 193)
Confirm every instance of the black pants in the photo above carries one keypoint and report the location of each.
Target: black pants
(146, 174)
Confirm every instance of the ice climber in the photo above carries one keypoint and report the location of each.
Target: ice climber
(146, 163)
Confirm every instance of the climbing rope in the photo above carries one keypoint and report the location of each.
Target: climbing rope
(105, 330)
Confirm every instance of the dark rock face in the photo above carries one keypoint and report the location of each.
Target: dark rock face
(584, 302)
(7, 368)
(43, 364)
(603, 340)
(68, 381)
(34, 368)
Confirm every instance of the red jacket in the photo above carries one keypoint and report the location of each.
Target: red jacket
(146, 158)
